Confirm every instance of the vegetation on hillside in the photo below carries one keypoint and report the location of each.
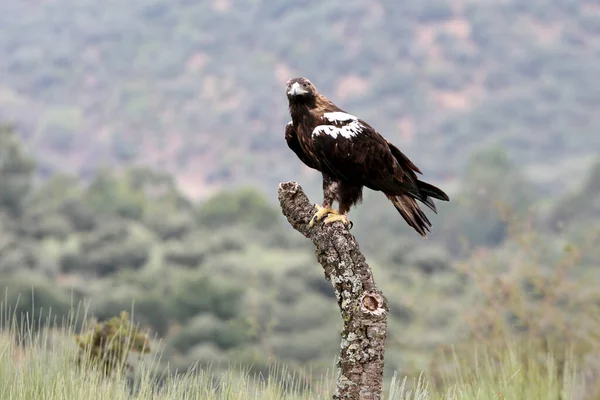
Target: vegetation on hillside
(496, 99)
(196, 88)
(226, 280)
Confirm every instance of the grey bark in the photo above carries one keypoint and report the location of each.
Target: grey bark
(362, 306)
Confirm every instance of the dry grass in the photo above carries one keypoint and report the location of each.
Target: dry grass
(43, 367)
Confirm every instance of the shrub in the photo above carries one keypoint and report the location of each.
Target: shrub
(106, 345)
(187, 255)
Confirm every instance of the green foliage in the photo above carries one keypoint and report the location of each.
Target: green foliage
(195, 293)
(184, 254)
(246, 206)
(80, 215)
(109, 195)
(490, 174)
(41, 224)
(430, 260)
(30, 293)
(207, 329)
(111, 248)
(16, 171)
(580, 206)
(17, 254)
(176, 227)
(107, 344)
(492, 185)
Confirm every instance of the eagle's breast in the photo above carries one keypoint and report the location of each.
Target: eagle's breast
(305, 139)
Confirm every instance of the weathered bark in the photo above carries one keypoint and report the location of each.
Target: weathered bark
(363, 307)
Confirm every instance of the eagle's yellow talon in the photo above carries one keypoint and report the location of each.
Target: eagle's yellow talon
(321, 212)
(338, 217)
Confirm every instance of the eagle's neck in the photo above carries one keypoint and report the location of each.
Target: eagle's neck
(305, 110)
(300, 106)
(299, 115)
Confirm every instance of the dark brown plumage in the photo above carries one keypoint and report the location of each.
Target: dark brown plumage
(351, 155)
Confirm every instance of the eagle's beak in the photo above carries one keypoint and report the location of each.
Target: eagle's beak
(296, 89)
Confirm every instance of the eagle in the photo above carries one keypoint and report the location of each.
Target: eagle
(350, 154)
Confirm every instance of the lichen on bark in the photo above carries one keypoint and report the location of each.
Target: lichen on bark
(363, 307)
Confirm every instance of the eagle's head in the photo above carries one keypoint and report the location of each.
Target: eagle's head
(300, 88)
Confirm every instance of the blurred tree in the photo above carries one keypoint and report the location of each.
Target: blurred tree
(16, 171)
(110, 248)
(208, 328)
(490, 174)
(169, 225)
(582, 205)
(491, 187)
(34, 295)
(158, 186)
(194, 293)
(107, 194)
(430, 259)
(56, 190)
(114, 257)
(16, 253)
(40, 224)
(185, 254)
(245, 206)
(80, 215)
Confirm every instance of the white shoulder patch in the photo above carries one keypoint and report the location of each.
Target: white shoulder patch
(338, 116)
(347, 131)
(291, 123)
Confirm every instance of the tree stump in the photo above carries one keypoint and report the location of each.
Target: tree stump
(362, 306)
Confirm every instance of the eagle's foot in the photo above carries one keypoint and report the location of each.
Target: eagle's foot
(338, 217)
(321, 212)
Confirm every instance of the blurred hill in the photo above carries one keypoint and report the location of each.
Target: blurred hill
(195, 88)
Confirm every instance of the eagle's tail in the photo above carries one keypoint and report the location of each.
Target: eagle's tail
(410, 211)
(426, 191)
(419, 190)
(430, 190)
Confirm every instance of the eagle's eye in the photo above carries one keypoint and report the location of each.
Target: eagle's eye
(305, 85)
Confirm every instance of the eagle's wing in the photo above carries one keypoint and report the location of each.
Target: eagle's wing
(351, 150)
(291, 137)
(403, 160)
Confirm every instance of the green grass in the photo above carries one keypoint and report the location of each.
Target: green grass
(513, 373)
(44, 368)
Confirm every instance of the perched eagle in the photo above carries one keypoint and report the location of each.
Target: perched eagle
(351, 154)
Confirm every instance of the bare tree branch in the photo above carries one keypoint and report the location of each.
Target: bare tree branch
(362, 306)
